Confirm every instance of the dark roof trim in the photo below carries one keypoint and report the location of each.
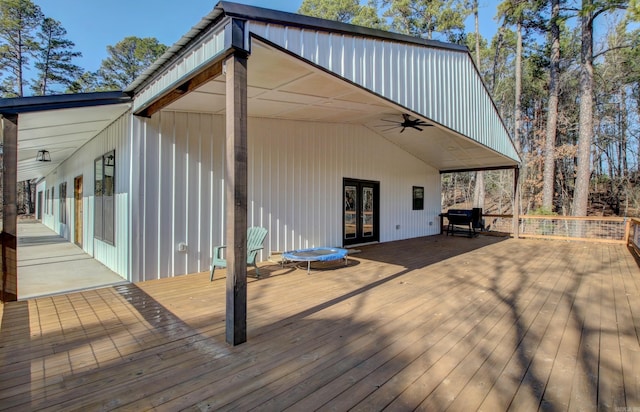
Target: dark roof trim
(298, 20)
(16, 105)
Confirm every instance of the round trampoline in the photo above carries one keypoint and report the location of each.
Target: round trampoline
(316, 254)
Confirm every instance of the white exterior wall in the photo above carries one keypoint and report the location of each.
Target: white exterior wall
(296, 171)
(115, 136)
(295, 187)
(178, 184)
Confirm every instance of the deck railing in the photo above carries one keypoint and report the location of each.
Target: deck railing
(590, 228)
(633, 235)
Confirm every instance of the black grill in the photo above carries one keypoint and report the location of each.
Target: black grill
(464, 221)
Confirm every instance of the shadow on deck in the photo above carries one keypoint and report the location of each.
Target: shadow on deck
(429, 324)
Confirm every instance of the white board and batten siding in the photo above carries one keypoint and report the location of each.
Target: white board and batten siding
(295, 182)
(295, 177)
(178, 182)
(440, 84)
(114, 137)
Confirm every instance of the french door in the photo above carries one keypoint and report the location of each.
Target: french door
(360, 214)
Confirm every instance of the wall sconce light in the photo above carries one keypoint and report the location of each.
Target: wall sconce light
(43, 156)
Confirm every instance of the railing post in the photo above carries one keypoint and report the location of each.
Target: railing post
(516, 203)
(627, 231)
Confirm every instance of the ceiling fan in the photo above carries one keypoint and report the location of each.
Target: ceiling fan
(407, 122)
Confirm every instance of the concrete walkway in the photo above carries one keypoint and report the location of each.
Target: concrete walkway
(48, 264)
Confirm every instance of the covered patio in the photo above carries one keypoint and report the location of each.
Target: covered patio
(430, 323)
(48, 264)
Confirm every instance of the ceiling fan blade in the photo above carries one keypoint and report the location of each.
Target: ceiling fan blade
(406, 122)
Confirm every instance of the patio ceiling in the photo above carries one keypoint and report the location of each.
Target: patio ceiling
(284, 87)
(61, 132)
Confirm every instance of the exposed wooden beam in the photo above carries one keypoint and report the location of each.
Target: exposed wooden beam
(236, 197)
(210, 72)
(9, 232)
(478, 169)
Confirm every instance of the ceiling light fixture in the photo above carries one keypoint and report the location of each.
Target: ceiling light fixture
(43, 156)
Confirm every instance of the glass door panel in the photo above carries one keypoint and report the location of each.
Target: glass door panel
(360, 211)
(368, 212)
(350, 218)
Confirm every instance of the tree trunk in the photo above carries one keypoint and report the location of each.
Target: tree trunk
(496, 56)
(29, 197)
(477, 22)
(552, 113)
(583, 170)
(518, 123)
(20, 64)
(478, 191)
(622, 127)
(518, 92)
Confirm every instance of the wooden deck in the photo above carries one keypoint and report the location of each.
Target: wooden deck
(429, 324)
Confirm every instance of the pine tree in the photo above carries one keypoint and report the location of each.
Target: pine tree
(338, 10)
(552, 112)
(54, 60)
(19, 20)
(127, 60)
(589, 12)
(424, 18)
(345, 11)
(86, 82)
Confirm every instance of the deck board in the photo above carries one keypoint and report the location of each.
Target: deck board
(436, 323)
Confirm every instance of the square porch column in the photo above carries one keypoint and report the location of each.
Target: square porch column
(236, 197)
(9, 234)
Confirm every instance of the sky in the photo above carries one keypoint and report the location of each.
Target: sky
(95, 24)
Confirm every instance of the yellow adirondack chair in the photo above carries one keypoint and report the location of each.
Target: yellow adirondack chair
(255, 237)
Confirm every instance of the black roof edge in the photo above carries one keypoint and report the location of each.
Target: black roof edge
(16, 105)
(299, 20)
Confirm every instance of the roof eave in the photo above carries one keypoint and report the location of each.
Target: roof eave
(298, 20)
(17, 105)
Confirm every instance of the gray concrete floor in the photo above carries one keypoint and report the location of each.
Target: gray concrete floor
(48, 264)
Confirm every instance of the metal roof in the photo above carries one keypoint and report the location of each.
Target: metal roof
(435, 81)
(17, 105)
(225, 8)
(302, 68)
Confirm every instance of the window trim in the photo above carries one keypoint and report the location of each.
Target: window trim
(418, 198)
(101, 218)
